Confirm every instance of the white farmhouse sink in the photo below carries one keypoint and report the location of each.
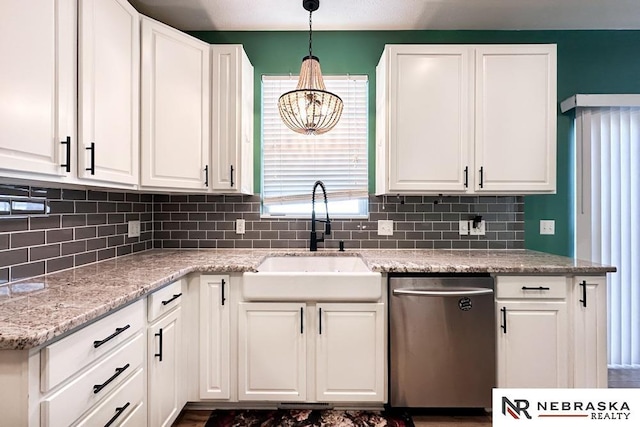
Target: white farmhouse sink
(313, 264)
(317, 278)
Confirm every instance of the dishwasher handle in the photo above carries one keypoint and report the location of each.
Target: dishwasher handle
(454, 292)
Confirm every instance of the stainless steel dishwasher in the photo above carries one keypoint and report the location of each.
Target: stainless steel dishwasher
(442, 341)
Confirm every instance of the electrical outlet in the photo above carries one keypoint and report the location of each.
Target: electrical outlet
(239, 226)
(385, 227)
(547, 226)
(477, 231)
(133, 229)
(463, 227)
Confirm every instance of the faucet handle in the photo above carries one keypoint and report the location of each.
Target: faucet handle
(327, 228)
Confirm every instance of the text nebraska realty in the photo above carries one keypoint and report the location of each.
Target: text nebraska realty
(597, 410)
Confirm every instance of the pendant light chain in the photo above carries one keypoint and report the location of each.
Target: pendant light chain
(310, 32)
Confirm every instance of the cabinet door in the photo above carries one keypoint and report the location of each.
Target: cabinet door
(214, 337)
(350, 351)
(429, 134)
(272, 352)
(165, 363)
(515, 120)
(108, 82)
(175, 108)
(37, 83)
(532, 351)
(589, 305)
(232, 120)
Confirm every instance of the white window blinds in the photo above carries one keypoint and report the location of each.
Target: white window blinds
(607, 216)
(292, 163)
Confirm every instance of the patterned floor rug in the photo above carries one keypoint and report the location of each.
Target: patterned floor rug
(306, 418)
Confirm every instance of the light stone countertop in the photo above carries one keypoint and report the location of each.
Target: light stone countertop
(40, 309)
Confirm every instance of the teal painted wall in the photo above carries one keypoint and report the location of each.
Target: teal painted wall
(588, 62)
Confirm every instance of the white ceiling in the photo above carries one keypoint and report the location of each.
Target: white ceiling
(256, 15)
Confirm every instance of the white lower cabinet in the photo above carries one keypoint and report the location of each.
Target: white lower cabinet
(165, 392)
(272, 352)
(350, 352)
(275, 347)
(532, 332)
(588, 302)
(214, 378)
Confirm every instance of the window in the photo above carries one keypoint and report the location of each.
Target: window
(292, 163)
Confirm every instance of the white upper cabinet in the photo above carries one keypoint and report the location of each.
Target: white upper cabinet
(466, 119)
(231, 120)
(108, 92)
(175, 109)
(515, 131)
(423, 105)
(37, 87)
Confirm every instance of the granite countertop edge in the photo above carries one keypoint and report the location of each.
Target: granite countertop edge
(38, 310)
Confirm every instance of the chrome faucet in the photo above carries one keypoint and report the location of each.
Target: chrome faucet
(314, 239)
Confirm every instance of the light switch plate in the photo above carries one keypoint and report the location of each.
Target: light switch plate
(133, 229)
(547, 226)
(385, 227)
(239, 226)
(463, 227)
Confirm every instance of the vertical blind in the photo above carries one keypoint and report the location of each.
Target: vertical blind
(292, 163)
(608, 215)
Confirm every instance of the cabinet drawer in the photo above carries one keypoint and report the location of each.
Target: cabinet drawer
(125, 406)
(531, 287)
(164, 300)
(80, 394)
(63, 358)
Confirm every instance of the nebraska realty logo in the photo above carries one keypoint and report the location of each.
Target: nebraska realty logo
(566, 407)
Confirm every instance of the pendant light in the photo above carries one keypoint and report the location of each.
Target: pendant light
(310, 109)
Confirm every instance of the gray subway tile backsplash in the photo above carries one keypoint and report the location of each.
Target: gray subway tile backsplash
(86, 226)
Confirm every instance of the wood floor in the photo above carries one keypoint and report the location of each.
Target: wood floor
(618, 378)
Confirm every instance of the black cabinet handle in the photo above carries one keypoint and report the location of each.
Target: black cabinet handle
(584, 293)
(223, 298)
(98, 387)
(481, 176)
(92, 168)
(537, 288)
(174, 297)
(466, 177)
(231, 173)
(159, 353)
(206, 176)
(119, 412)
(504, 319)
(118, 331)
(67, 165)
(320, 319)
(301, 320)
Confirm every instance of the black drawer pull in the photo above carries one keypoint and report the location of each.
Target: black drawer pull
(159, 353)
(231, 170)
(92, 168)
(118, 331)
(223, 298)
(481, 185)
(67, 165)
(119, 412)
(320, 319)
(537, 288)
(301, 320)
(174, 297)
(206, 176)
(504, 319)
(466, 177)
(584, 293)
(98, 387)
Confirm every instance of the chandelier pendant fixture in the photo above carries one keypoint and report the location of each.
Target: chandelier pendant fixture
(310, 109)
